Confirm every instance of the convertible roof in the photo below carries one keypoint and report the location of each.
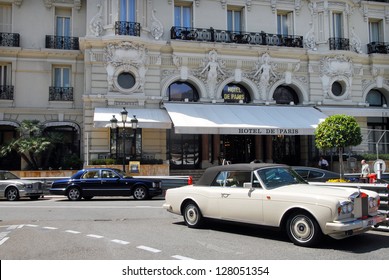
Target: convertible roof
(211, 172)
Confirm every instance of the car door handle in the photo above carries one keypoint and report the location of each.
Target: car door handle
(225, 195)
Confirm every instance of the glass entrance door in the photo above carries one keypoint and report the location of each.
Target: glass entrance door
(238, 148)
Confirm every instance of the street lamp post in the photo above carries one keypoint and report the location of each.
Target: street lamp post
(134, 124)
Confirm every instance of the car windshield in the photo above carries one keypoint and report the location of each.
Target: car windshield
(8, 176)
(276, 177)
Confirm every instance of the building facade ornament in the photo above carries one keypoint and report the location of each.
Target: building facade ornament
(96, 23)
(49, 3)
(156, 27)
(126, 57)
(18, 2)
(213, 67)
(224, 3)
(355, 42)
(310, 39)
(297, 6)
(248, 5)
(273, 4)
(265, 72)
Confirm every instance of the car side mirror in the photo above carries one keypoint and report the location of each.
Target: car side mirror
(247, 185)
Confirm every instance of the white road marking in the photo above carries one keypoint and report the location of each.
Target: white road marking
(72, 231)
(31, 225)
(178, 257)
(94, 236)
(51, 228)
(122, 242)
(13, 227)
(2, 241)
(148, 249)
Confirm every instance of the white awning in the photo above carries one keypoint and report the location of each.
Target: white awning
(147, 118)
(243, 119)
(356, 112)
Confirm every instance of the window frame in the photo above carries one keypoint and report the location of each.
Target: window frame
(185, 9)
(127, 10)
(285, 20)
(61, 83)
(5, 74)
(6, 16)
(232, 12)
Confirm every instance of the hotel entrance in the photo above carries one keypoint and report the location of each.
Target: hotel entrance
(237, 148)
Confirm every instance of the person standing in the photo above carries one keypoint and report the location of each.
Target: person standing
(323, 163)
(365, 170)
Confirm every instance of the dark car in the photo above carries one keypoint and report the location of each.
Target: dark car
(87, 183)
(12, 187)
(312, 174)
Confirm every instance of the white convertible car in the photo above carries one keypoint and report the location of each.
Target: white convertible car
(274, 195)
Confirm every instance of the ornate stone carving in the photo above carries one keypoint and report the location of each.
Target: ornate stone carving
(18, 2)
(156, 27)
(273, 4)
(49, 3)
(224, 3)
(265, 72)
(248, 5)
(126, 57)
(297, 6)
(310, 39)
(213, 68)
(96, 23)
(355, 42)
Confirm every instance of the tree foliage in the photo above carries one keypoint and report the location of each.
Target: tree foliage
(30, 145)
(338, 131)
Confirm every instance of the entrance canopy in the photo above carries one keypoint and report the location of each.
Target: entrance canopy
(356, 112)
(243, 119)
(147, 118)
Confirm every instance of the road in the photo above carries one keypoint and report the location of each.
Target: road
(120, 228)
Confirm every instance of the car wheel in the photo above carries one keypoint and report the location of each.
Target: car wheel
(12, 194)
(74, 194)
(303, 230)
(192, 215)
(140, 193)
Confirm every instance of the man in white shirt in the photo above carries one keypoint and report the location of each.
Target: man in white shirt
(323, 163)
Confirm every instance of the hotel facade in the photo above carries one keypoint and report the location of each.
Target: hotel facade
(207, 80)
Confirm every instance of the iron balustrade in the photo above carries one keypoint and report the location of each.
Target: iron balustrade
(62, 42)
(60, 94)
(9, 39)
(339, 44)
(127, 28)
(6, 92)
(225, 36)
(378, 47)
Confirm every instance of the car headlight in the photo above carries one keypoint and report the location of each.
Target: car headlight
(346, 208)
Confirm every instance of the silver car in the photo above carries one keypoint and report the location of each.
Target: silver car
(12, 187)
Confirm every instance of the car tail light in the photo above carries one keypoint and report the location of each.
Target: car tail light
(190, 180)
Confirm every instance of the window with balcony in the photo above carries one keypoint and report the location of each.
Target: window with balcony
(127, 24)
(6, 88)
(63, 22)
(337, 42)
(183, 14)
(61, 89)
(376, 37)
(234, 19)
(7, 38)
(63, 31)
(285, 23)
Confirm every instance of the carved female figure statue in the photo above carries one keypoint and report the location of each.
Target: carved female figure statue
(212, 67)
(264, 70)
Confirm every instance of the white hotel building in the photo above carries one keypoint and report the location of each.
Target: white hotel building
(206, 79)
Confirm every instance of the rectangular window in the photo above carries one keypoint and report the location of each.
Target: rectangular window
(375, 30)
(284, 23)
(5, 75)
(108, 13)
(127, 10)
(183, 15)
(337, 25)
(5, 18)
(61, 77)
(63, 22)
(234, 19)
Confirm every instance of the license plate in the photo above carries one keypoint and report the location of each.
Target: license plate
(370, 223)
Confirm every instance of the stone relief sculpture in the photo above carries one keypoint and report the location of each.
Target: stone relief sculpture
(264, 70)
(96, 24)
(355, 42)
(309, 39)
(156, 27)
(213, 68)
(126, 57)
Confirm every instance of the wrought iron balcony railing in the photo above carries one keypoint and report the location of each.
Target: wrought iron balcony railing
(60, 94)
(6, 92)
(127, 28)
(9, 39)
(225, 36)
(378, 47)
(62, 42)
(339, 44)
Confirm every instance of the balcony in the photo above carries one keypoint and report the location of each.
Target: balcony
(225, 36)
(6, 92)
(62, 42)
(339, 44)
(378, 47)
(60, 94)
(127, 28)
(9, 39)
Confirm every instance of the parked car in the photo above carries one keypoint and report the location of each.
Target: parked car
(87, 183)
(274, 195)
(12, 187)
(312, 174)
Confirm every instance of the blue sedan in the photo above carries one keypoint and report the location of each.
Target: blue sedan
(87, 183)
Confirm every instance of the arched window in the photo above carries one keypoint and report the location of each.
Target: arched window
(235, 93)
(182, 91)
(285, 95)
(375, 98)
